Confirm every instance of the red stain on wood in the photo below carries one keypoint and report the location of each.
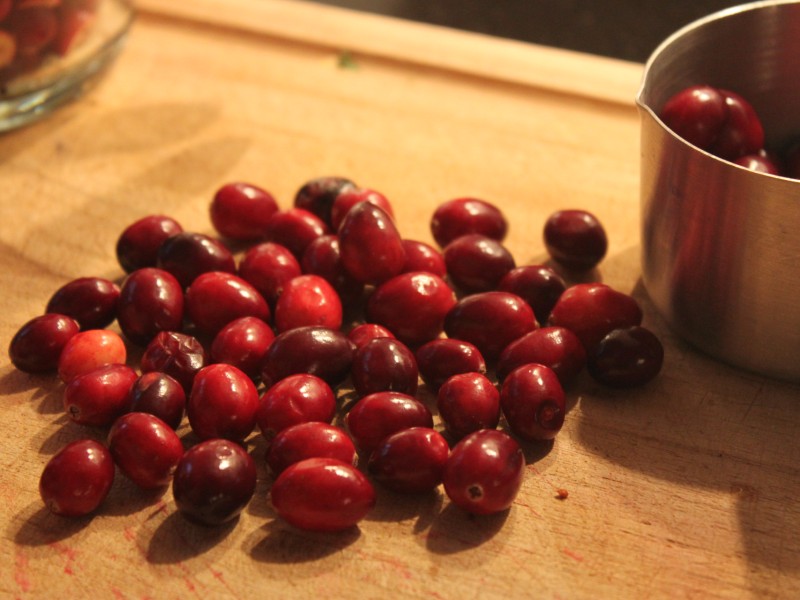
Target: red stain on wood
(21, 577)
(573, 555)
(70, 555)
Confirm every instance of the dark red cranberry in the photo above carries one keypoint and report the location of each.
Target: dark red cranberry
(179, 355)
(384, 364)
(410, 461)
(490, 321)
(89, 350)
(91, 301)
(440, 359)
(295, 229)
(267, 267)
(423, 257)
(187, 255)
(361, 334)
(533, 402)
(696, 114)
(37, 345)
(222, 404)
(243, 343)
(214, 481)
(468, 402)
(151, 300)
(35, 28)
(299, 398)
(626, 357)
(378, 415)
(308, 300)
(476, 263)
(313, 439)
(137, 246)
(463, 216)
(145, 449)
(758, 162)
(215, 299)
(349, 198)
(412, 306)
(77, 479)
(575, 239)
(370, 245)
(322, 494)
(320, 351)
(99, 396)
(484, 472)
(319, 194)
(554, 347)
(742, 133)
(538, 285)
(241, 211)
(160, 395)
(323, 257)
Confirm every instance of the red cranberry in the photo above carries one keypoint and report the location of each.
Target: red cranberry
(77, 479)
(440, 359)
(696, 114)
(222, 404)
(742, 133)
(349, 198)
(214, 481)
(361, 334)
(384, 364)
(187, 255)
(463, 216)
(300, 398)
(267, 267)
(312, 439)
(484, 472)
(575, 239)
(322, 494)
(145, 449)
(423, 257)
(179, 355)
(160, 395)
(34, 27)
(533, 402)
(318, 195)
(538, 285)
(243, 343)
(89, 350)
(320, 351)
(323, 257)
(626, 357)
(295, 229)
(99, 396)
(37, 345)
(476, 263)
(91, 301)
(378, 415)
(137, 246)
(215, 299)
(241, 211)
(412, 306)
(554, 347)
(151, 300)
(308, 300)
(758, 162)
(370, 245)
(410, 461)
(468, 402)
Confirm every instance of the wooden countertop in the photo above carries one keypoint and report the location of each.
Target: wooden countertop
(684, 489)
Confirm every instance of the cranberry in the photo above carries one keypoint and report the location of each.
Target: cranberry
(137, 246)
(215, 299)
(300, 398)
(243, 343)
(267, 267)
(320, 351)
(160, 395)
(463, 216)
(626, 357)
(696, 114)
(187, 255)
(440, 359)
(384, 364)
(476, 263)
(378, 415)
(742, 133)
(77, 479)
(412, 306)
(37, 345)
(490, 321)
(214, 481)
(318, 196)
(533, 402)
(34, 27)
(484, 472)
(179, 355)
(423, 257)
(361, 334)
(370, 245)
(308, 300)
(145, 449)
(99, 396)
(151, 300)
(349, 198)
(468, 402)
(538, 285)
(222, 404)
(554, 347)
(758, 162)
(575, 239)
(91, 301)
(295, 229)
(312, 439)
(89, 350)
(410, 461)
(323, 257)
(241, 211)
(322, 494)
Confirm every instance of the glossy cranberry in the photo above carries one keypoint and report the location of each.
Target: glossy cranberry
(313, 439)
(490, 321)
(349, 198)
(591, 310)
(361, 334)
(463, 216)
(627, 357)
(214, 481)
(179, 355)
(322, 494)
(91, 301)
(538, 285)
(295, 229)
(319, 194)
(160, 395)
(758, 162)
(440, 359)
(554, 347)
(222, 404)
(267, 267)
(137, 246)
(412, 306)
(77, 479)
(151, 300)
(145, 449)
(320, 351)
(384, 364)
(381, 414)
(308, 300)
(323, 257)
(89, 350)
(37, 345)
(370, 245)
(215, 299)
(299, 398)
(533, 402)
(468, 402)
(423, 257)
(484, 472)
(696, 114)
(241, 211)
(476, 263)
(99, 396)
(187, 255)
(243, 343)
(742, 133)
(575, 239)
(410, 461)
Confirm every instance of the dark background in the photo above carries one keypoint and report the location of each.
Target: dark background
(626, 29)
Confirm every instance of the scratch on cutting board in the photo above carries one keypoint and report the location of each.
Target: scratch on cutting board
(21, 572)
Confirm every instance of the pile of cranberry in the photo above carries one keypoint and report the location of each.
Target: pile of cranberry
(318, 341)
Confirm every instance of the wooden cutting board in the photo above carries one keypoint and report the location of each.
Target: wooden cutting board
(686, 488)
